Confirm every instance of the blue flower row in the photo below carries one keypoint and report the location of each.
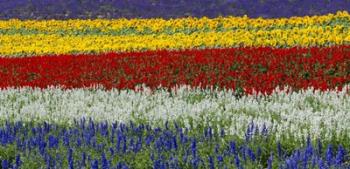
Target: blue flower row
(100, 145)
(64, 9)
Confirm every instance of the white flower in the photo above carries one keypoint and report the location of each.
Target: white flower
(296, 113)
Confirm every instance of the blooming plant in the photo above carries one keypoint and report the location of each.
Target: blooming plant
(163, 84)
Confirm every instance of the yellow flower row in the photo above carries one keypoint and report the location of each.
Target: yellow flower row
(20, 45)
(158, 25)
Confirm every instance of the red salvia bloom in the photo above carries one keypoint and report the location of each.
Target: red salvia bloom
(260, 69)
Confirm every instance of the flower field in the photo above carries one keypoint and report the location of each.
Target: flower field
(175, 84)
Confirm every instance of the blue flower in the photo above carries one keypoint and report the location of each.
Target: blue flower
(329, 155)
(5, 164)
(94, 164)
(220, 159)
(194, 148)
(61, 9)
(264, 131)
(269, 162)
(105, 163)
(121, 165)
(70, 159)
(251, 154)
(233, 147)
(18, 161)
(175, 142)
(53, 141)
(321, 164)
(211, 162)
(66, 139)
(340, 155)
(237, 161)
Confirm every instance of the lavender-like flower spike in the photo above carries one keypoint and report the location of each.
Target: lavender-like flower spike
(329, 154)
(211, 162)
(5, 164)
(269, 161)
(340, 155)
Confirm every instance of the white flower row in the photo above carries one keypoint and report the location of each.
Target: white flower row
(296, 113)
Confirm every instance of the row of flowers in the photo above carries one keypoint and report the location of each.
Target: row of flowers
(63, 9)
(287, 114)
(24, 45)
(158, 25)
(88, 144)
(244, 69)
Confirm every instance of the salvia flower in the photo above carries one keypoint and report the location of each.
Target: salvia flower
(211, 162)
(329, 155)
(340, 155)
(70, 159)
(5, 164)
(105, 163)
(269, 161)
(94, 164)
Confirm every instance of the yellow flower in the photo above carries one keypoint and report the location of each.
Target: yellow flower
(238, 31)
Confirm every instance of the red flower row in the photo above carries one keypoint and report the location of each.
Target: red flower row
(262, 69)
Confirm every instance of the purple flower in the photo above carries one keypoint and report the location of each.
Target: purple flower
(164, 8)
(5, 164)
(53, 141)
(18, 161)
(194, 148)
(264, 131)
(329, 154)
(78, 142)
(94, 164)
(211, 162)
(105, 163)
(269, 162)
(220, 159)
(66, 139)
(340, 155)
(70, 159)
(237, 161)
(48, 160)
(233, 147)
(121, 165)
(321, 164)
(149, 139)
(248, 134)
(251, 154)
(175, 142)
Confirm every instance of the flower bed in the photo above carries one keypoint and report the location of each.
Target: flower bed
(189, 92)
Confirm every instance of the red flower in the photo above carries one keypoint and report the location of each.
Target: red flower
(262, 69)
